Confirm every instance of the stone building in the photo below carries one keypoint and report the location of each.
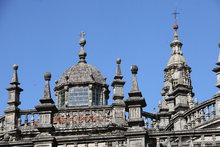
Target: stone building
(81, 116)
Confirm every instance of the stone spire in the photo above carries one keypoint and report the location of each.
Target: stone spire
(118, 71)
(134, 89)
(82, 53)
(12, 112)
(177, 54)
(118, 84)
(46, 109)
(177, 92)
(14, 99)
(135, 102)
(47, 94)
(118, 104)
(14, 80)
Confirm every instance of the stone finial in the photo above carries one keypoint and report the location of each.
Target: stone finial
(82, 41)
(47, 93)
(46, 110)
(134, 89)
(14, 80)
(175, 27)
(47, 76)
(134, 70)
(82, 54)
(175, 42)
(118, 84)
(118, 71)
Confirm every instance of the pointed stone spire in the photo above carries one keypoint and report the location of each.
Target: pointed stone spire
(14, 80)
(134, 89)
(46, 109)
(82, 53)
(118, 84)
(118, 71)
(47, 94)
(12, 112)
(118, 104)
(175, 27)
(177, 81)
(14, 99)
(177, 54)
(135, 102)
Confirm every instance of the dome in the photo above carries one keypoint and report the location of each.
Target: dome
(176, 59)
(81, 73)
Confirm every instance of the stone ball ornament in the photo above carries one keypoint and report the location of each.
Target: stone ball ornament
(118, 61)
(15, 67)
(47, 76)
(175, 26)
(82, 42)
(134, 69)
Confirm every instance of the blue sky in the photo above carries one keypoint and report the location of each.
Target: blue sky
(42, 36)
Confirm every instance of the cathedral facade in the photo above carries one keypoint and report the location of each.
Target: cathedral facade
(81, 116)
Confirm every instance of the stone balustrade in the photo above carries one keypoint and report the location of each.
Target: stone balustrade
(89, 117)
(151, 121)
(202, 113)
(28, 119)
(192, 118)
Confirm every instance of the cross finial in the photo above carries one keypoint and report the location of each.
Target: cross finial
(175, 13)
(82, 34)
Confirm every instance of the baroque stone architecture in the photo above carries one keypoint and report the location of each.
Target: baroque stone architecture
(81, 116)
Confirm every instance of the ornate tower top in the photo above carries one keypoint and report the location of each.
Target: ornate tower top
(177, 92)
(177, 54)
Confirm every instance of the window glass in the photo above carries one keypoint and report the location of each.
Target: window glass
(61, 98)
(78, 96)
(96, 97)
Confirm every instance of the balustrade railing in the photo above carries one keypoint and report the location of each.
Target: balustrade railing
(200, 114)
(89, 117)
(28, 119)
